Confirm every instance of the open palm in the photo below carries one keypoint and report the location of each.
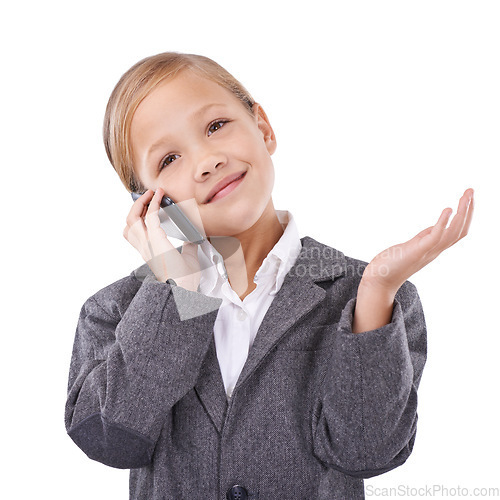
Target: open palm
(392, 267)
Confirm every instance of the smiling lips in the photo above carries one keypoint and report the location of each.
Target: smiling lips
(225, 186)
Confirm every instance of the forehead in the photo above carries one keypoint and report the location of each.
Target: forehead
(180, 96)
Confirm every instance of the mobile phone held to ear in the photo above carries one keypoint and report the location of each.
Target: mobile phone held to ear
(174, 222)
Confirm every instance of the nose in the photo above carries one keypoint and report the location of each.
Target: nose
(208, 163)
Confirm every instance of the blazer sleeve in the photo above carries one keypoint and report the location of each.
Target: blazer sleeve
(365, 421)
(134, 356)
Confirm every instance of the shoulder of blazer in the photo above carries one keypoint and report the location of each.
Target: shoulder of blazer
(322, 262)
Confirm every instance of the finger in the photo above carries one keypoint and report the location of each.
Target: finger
(139, 207)
(438, 229)
(423, 233)
(152, 220)
(158, 241)
(468, 220)
(453, 232)
(431, 236)
(137, 236)
(135, 232)
(427, 239)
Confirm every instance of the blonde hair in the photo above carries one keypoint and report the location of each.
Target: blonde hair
(137, 83)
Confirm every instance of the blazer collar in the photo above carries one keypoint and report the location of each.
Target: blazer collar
(319, 262)
(316, 261)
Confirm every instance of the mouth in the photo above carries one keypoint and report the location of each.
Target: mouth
(227, 189)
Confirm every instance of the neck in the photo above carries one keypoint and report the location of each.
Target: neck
(254, 244)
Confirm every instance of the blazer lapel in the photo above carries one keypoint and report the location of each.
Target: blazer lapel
(298, 295)
(210, 388)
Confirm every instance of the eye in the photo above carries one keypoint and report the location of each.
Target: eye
(166, 161)
(217, 122)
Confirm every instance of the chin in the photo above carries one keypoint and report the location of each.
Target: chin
(234, 220)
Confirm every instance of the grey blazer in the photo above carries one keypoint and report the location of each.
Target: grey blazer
(315, 410)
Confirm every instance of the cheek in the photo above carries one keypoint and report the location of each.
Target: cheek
(263, 181)
(251, 143)
(176, 190)
(270, 178)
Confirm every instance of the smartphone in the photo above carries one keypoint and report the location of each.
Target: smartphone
(174, 222)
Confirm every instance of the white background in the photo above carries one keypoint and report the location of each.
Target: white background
(385, 112)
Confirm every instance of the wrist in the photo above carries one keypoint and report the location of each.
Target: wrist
(376, 285)
(374, 307)
(376, 296)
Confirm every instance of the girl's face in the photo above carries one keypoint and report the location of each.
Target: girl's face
(189, 134)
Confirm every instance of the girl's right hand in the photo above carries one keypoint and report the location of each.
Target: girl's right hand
(143, 232)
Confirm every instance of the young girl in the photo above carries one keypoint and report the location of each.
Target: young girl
(256, 364)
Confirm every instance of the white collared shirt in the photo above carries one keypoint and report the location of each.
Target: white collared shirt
(237, 321)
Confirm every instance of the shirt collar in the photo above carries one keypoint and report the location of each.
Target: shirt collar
(275, 266)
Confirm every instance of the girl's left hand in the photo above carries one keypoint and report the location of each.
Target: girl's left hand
(392, 267)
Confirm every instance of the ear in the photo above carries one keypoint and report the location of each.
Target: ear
(265, 127)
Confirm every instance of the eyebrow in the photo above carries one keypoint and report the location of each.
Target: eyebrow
(158, 144)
